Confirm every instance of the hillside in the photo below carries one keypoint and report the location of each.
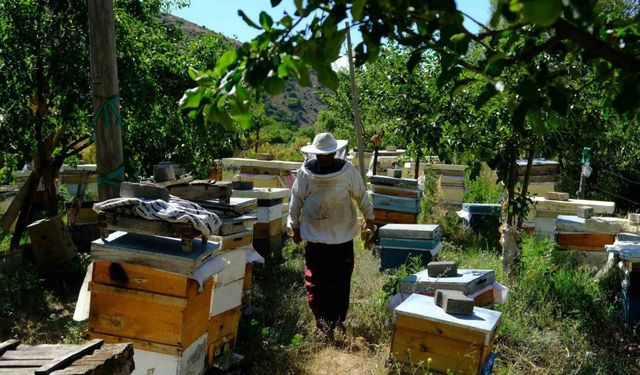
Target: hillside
(297, 105)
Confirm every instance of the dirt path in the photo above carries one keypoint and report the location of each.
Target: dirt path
(331, 361)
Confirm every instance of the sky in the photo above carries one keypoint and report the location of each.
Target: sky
(222, 15)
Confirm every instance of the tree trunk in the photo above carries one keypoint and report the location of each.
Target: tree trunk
(509, 237)
(104, 78)
(511, 184)
(416, 174)
(24, 205)
(525, 181)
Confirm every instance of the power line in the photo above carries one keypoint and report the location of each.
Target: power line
(622, 177)
(608, 192)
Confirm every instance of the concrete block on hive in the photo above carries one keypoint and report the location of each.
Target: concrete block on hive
(633, 217)
(148, 191)
(442, 269)
(556, 196)
(455, 302)
(585, 212)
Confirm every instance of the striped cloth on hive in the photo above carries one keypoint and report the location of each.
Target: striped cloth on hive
(175, 211)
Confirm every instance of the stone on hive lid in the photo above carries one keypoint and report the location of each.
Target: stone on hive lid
(556, 196)
(149, 191)
(633, 217)
(163, 172)
(455, 302)
(442, 269)
(585, 212)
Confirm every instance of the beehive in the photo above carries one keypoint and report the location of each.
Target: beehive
(459, 343)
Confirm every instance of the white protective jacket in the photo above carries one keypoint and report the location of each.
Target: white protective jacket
(321, 205)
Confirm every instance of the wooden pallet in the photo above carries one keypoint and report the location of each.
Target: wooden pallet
(93, 357)
(113, 222)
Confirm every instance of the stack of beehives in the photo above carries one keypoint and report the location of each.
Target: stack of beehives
(263, 173)
(168, 289)
(271, 217)
(588, 236)
(542, 177)
(627, 249)
(450, 184)
(395, 200)
(544, 211)
(398, 242)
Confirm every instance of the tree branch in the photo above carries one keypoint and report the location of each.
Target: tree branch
(536, 50)
(592, 44)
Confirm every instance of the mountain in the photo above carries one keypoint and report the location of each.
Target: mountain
(297, 105)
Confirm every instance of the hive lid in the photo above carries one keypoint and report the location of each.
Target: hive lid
(413, 231)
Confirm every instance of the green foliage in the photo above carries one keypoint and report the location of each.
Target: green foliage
(482, 190)
(392, 283)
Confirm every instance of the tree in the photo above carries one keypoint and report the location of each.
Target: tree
(44, 79)
(532, 41)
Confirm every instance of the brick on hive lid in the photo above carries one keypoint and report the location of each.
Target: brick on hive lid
(556, 196)
(585, 212)
(442, 269)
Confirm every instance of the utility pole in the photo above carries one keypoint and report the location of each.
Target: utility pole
(356, 107)
(106, 106)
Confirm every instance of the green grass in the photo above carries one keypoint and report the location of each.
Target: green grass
(557, 319)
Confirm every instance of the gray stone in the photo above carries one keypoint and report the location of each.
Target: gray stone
(585, 212)
(633, 217)
(455, 302)
(148, 191)
(442, 269)
(162, 173)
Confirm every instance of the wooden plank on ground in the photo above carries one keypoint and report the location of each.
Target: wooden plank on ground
(108, 360)
(69, 357)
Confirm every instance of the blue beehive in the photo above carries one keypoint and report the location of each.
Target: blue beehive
(482, 218)
(628, 250)
(401, 241)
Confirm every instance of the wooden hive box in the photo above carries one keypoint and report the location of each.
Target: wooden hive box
(396, 204)
(410, 231)
(389, 217)
(268, 230)
(397, 191)
(191, 361)
(460, 343)
(222, 334)
(227, 294)
(158, 311)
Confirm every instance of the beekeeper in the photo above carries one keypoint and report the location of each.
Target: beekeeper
(322, 213)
